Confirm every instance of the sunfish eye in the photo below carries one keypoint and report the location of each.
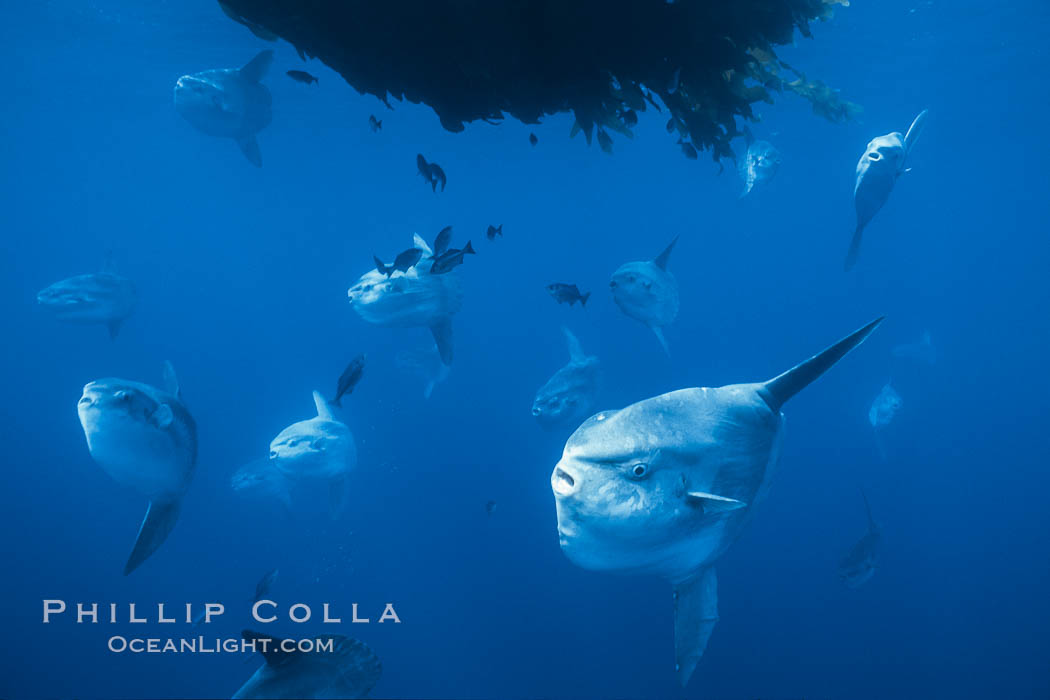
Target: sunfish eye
(122, 396)
(273, 454)
(638, 471)
(875, 155)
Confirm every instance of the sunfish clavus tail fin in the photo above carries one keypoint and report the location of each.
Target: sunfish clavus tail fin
(779, 389)
(156, 526)
(695, 616)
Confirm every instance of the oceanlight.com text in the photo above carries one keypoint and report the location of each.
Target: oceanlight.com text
(215, 645)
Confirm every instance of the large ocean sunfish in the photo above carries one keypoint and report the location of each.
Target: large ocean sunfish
(666, 485)
(144, 438)
(409, 298)
(877, 172)
(102, 297)
(229, 102)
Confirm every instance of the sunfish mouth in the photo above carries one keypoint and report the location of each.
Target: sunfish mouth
(562, 482)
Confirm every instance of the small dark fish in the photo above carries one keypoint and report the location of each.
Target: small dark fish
(437, 175)
(431, 172)
(533, 140)
(490, 507)
(374, 124)
(403, 262)
(570, 293)
(349, 378)
(605, 141)
(450, 259)
(687, 149)
(630, 118)
(263, 587)
(494, 231)
(301, 76)
(441, 242)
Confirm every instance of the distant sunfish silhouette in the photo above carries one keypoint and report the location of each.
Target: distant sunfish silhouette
(568, 397)
(103, 297)
(144, 438)
(922, 351)
(647, 292)
(759, 164)
(883, 409)
(229, 102)
(877, 172)
(666, 485)
(859, 563)
(350, 670)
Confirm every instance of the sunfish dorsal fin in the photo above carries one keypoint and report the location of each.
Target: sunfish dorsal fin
(171, 382)
(442, 331)
(661, 260)
(575, 349)
(324, 411)
(255, 69)
(778, 390)
(695, 616)
(418, 242)
(914, 131)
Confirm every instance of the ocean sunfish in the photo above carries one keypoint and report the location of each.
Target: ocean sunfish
(759, 164)
(921, 351)
(877, 172)
(859, 563)
(666, 485)
(409, 298)
(350, 670)
(569, 395)
(647, 292)
(229, 102)
(103, 297)
(144, 438)
(319, 449)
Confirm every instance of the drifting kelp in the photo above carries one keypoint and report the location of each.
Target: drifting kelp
(707, 61)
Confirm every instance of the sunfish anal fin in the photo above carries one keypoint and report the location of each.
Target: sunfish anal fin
(442, 331)
(659, 332)
(250, 149)
(156, 526)
(695, 616)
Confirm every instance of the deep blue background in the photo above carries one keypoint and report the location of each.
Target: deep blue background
(242, 274)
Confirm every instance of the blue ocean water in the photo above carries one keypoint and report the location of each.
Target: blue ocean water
(242, 276)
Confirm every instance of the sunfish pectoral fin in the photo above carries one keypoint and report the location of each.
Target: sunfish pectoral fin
(324, 411)
(712, 503)
(854, 248)
(114, 328)
(659, 332)
(156, 526)
(695, 616)
(661, 260)
(914, 131)
(255, 69)
(250, 149)
(778, 390)
(442, 331)
(575, 349)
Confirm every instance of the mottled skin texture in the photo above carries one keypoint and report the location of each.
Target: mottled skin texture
(721, 441)
(350, 671)
(759, 165)
(568, 397)
(228, 102)
(102, 298)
